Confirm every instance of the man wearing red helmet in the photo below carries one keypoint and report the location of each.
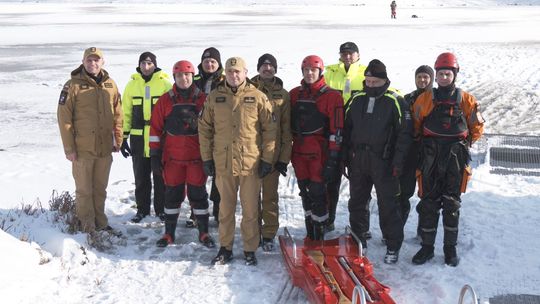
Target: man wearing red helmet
(140, 95)
(316, 124)
(448, 121)
(174, 145)
(377, 134)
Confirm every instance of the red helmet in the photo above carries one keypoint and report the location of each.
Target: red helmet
(448, 61)
(183, 66)
(313, 61)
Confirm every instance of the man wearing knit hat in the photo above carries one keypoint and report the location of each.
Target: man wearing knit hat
(140, 95)
(347, 76)
(209, 76)
(272, 86)
(237, 132)
(448, 121)
(375, 158)
(423, 78)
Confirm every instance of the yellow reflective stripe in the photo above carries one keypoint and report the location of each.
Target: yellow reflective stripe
(136, 132)
(393, 95)
(349, 104)
(146, 143)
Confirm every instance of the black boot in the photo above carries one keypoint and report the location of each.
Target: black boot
(204, 237)
(309, 227)
(223, 257)
(423, 255)
(170, 228)
(450, 255)
(319, 229)
(250, 258)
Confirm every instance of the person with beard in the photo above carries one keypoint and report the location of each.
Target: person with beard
(377, 135)
(347, 76)
(209, 76)
(316, 124)
(140, 95)
(272, 86)
(448, 121)
(423, 78)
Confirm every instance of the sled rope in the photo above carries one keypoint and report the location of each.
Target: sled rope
(318, 257)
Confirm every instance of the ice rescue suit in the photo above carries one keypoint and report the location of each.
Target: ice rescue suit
(377, 135)
(90, 121)
(448, 126)
(348, 82)
(174, 135)
(237, 129)
(280, 100)
(138, 100)
(316, 124)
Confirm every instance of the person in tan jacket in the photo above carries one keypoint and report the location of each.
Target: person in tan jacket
(237, 132)
(90, 121)
(272, 86)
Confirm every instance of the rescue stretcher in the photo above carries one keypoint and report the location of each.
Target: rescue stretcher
(332, 271)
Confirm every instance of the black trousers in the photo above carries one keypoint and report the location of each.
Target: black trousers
(367, 169)
(442, 166)
(407, 180)
(332, 194)
(142, 171)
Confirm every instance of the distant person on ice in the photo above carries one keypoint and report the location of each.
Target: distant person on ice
(447, 120)
(393, 7)
(90, 121)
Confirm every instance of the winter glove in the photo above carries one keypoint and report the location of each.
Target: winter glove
(396, 171)
(156, 164)
(209, 167)
(281, 167)
(125, 149)
(264, 168)
(331, 168)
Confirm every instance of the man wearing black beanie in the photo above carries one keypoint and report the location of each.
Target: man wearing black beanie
(140, 96)
(375, 158)
(209, 76)
(423, 78)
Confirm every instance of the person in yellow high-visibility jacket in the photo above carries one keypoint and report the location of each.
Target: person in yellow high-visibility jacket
(140, 95)
(347, 76)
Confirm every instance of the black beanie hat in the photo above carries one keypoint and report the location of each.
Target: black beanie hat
(267, 58)
(376, 68)
(424, 69)
(213, 53)
(148, 55)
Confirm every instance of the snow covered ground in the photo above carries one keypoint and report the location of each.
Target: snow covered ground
(498, 50)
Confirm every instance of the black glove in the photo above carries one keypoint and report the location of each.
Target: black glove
(124, 149)
(281, 167)
(156, 164)
(209, 168)
(264, 168)
(331, 168)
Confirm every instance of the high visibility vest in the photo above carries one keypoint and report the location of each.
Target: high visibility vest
(347, 82)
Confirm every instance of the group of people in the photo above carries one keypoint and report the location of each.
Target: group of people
(213, 121)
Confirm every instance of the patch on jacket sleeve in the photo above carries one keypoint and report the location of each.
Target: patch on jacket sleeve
(63, 95)
(249, 99)
(83, 86)
(221, 99)
(108, 85)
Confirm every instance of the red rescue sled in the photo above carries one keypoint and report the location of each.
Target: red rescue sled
(332, 271)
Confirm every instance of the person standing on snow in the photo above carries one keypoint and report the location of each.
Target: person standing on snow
(140, 96)
(376, 157)
(316, 124)
(347, 76)
(90, 120)
(209, 76)
(174, 145)
(423, 78)
(393, 7)
(272, 86)
(448, 121)
(237, 131)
